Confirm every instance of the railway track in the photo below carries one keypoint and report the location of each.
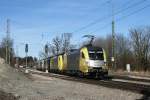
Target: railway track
(130, 78)
(134, 87)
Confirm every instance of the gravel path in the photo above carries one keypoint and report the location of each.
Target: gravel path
(36, 87)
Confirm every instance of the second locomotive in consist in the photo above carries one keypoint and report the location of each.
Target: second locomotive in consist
(88, 60)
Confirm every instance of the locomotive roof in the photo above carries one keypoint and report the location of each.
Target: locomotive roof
(91, 47)
(73, 51)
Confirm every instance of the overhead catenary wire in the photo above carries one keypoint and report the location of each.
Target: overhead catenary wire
(128, 2)
(123, 17)
(29, 43)
(106, 2)
(109, 16)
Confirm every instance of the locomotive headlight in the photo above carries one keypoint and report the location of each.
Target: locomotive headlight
(104, 66)
(104, 62)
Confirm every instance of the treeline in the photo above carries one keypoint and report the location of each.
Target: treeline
(133, 49)
(21, 61)
(7, 42)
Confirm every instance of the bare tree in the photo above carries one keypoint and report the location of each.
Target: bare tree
(51, 50)
(141, 46)
(61, 44)
(57, 44)
(66, 45)
(42, 55)
(6, 42)
(108, 49)
(123, 51)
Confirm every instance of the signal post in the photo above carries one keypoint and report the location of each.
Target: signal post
(26, 51)
(46, 52)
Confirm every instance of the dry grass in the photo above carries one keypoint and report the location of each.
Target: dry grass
(7, 96)
(134, 73)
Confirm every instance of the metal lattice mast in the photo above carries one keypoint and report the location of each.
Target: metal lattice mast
(17, 56)
(113, 37)
(7, 42)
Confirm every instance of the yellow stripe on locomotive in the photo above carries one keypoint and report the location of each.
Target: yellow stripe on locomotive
(60, 63)
(83, 57)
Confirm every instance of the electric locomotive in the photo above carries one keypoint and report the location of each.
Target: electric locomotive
(88, 60)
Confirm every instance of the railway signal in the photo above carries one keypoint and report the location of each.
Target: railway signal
(26, 51)
(26, 48)
(46, 49)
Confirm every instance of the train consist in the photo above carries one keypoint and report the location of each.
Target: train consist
(88, 60)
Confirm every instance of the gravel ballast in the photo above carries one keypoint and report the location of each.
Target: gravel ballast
(36, 87)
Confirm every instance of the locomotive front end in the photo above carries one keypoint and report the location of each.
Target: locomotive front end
(97, 61)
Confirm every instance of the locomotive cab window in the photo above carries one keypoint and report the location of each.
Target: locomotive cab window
(96, 55)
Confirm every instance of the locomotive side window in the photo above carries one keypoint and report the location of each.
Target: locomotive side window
(82, 55)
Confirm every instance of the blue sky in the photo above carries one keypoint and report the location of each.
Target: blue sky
(29, 19)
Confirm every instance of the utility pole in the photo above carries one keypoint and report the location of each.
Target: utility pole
(6, 52)
(26, 51)
(113, 37)
(17, 59)
(8, 33)
(7, 42)
(9, 55)
(46, 52)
